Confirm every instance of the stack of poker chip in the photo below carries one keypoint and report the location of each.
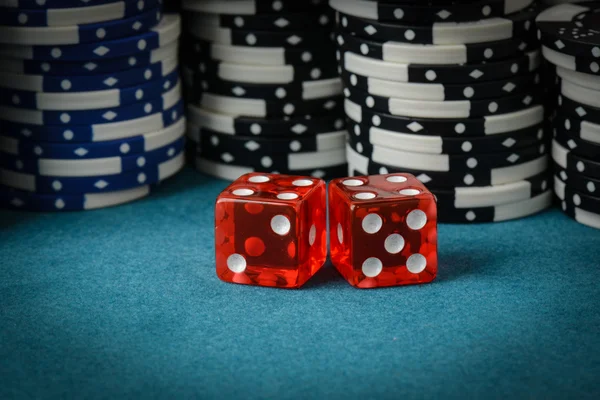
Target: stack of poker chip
(451, 94)
(262, 86)
(91, 113)
(570, 38)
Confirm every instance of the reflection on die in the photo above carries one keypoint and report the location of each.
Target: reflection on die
(270, 230)
(383, 230)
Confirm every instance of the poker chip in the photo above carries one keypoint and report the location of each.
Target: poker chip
(91, 167)
(505, 212)
(165, 32)
(450, 73)
(571, 29)
(94, 132)
(458, 163)
(382, 10)
(578, 128)
(239, 144)
(77, 68)
(148, 175)
(93, 116)
(244, 37)
(441, 179)
(65, 84)
(264, 74)
(231, 172)
(27, 201)
(581, 183)
(75, 34)
(579, 78)
(89, 100)
(91, 113)
(447, 145)
(471, 127)
(265, 109)
(584, 201)
(251, 7)
(573, 162)
(243, 126)
(490, 196)
(579, 64)
(263, 88)
(576, 109)
(441, 92)
(308, 90)
(201, 49)
(413, 53)
(69, 16)
(442, 33)
(269, 22)
(111, 148)
(443, 109)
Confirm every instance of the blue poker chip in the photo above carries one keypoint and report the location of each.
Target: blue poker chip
(94, 132)
(80, 151)
(66, 84)
(142, 59)
(90, 117)
(148, 175)
(27, 201)
(91, 167)
(88, 100)
(90, 14)
(76, 34)
(46, 4)
(167, 31)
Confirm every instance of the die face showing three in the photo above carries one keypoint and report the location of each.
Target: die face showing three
(383, 230)
(270, 230)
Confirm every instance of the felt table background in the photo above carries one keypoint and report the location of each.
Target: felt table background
(124, 302)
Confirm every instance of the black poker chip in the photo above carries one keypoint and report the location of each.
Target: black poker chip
(444, 109)
(576, 145)
(252, 7)
(198, 50)
(270, 109)
(443, 92)
(448, 74)
(447, 213)
(576, 198)
(274, 22)
(574, 163)
(447, 145)
(427, 54)
(572, 29)
(259, 38)
(575, 109)
(258, 127)
(222, 142)
(486, 30)
(577, 127)
(460, 164)
(292, 91)
(470, 127)
(415, 13)
(579, 182)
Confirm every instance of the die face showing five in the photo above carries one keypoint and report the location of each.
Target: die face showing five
(383, 230)
(270, 230)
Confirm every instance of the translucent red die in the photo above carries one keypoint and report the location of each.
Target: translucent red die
(383, 230)
(271, 230)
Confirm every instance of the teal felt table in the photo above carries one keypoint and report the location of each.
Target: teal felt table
(125, 303)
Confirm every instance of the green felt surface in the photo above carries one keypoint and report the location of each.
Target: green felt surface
(124, 303)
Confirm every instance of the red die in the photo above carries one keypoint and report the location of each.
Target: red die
(271, 230)
(383, 230)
